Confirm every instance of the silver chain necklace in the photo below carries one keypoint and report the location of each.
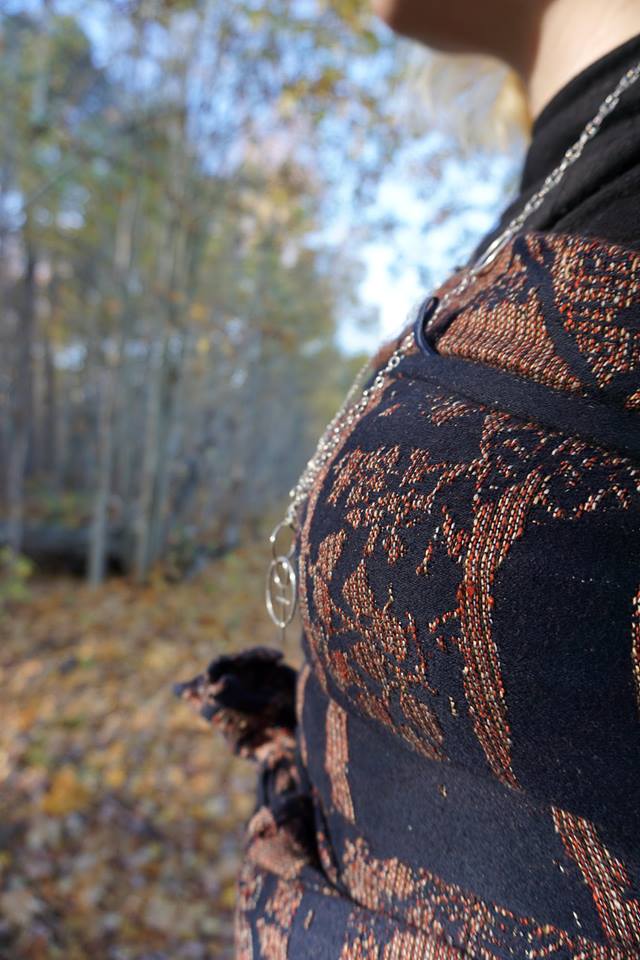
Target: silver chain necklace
(282, 580)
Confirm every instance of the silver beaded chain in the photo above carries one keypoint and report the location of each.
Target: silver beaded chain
(281, 590)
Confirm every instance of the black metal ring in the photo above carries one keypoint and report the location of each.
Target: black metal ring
(425, 313)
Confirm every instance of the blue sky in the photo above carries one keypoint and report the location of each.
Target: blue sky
(401, 270)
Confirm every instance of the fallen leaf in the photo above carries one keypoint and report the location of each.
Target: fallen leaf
(19, 906)
(66, 794)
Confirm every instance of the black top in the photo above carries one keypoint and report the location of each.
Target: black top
(458, 776)
(600, 195)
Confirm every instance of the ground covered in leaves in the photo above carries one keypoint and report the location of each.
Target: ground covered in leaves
(121, 813)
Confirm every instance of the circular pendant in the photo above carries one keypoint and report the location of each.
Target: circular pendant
(281, 594)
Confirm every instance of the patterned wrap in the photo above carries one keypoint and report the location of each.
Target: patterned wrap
(468, 711)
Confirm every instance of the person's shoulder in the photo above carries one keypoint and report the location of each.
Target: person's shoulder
(608, 213)
(558, 308)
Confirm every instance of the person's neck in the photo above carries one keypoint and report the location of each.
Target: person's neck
(573, 34)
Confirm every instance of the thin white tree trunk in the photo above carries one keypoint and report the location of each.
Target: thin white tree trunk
(22, 413)
(104, 463)
(149, 459)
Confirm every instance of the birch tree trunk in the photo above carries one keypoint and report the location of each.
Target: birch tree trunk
(21, 408)
(149, 458)
(104, 463)
(159, 524)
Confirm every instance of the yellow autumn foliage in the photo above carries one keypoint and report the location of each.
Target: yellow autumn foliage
(114, 795)
(67, 794)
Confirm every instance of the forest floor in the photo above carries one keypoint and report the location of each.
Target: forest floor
(121, 813)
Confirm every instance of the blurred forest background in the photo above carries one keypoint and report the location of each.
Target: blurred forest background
(193, 199)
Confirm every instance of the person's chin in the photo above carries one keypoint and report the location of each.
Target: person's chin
(408, 19)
